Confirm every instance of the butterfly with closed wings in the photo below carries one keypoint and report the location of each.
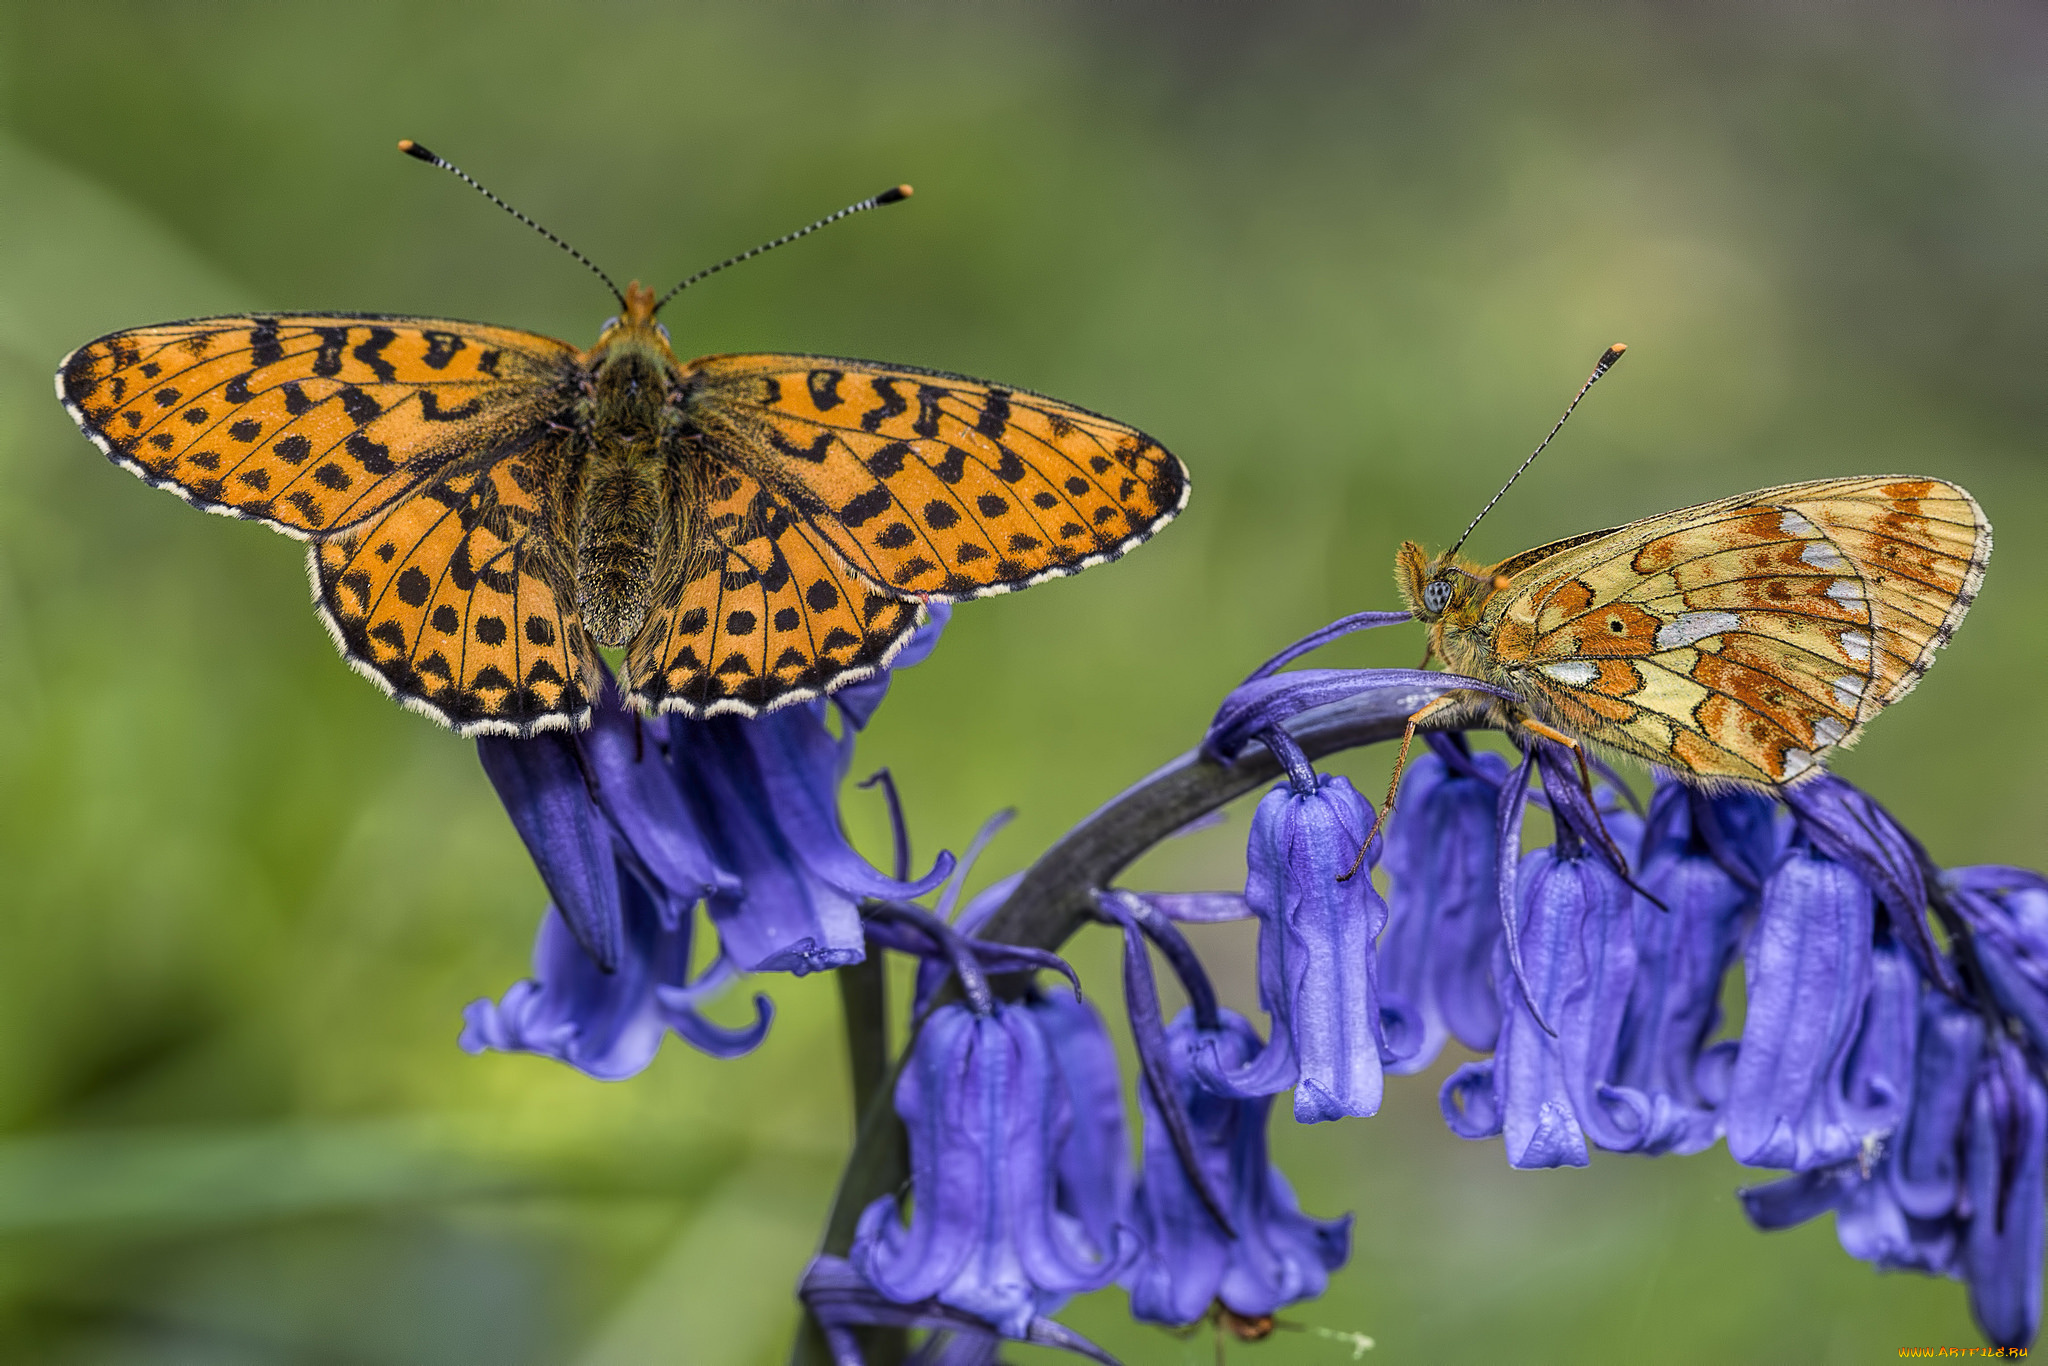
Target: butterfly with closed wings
(488, 506)
(1733, 644)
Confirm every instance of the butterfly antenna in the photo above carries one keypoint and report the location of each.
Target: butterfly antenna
(419, 153)
(893, 195)
(1606, 363)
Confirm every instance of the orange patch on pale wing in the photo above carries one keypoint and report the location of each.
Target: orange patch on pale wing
(1769, 705)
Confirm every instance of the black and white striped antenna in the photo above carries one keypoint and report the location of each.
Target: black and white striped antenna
(1606, 363)
(414, 150)
(895, 194)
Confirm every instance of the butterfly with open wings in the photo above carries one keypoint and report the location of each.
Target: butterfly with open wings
(487, 506)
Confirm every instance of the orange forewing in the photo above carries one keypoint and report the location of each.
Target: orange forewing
(309, 423)
(935, 484)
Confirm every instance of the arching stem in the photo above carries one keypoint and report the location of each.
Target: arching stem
(1057, 896)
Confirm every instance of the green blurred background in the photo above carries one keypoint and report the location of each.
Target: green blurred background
(1348, 261)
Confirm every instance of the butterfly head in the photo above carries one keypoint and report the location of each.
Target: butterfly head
(637, 322)
(1446, 588)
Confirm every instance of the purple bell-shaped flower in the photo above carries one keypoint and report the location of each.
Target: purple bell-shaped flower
(1548, 1087)
(1704, 859)
(1827, 1046)
(990, 1115)
(609, 1024)
(1436, 957)
(625, 865)
(1318, 969)
(1273, 1255)
(765, 791)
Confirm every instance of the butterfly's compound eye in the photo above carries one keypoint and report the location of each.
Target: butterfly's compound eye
(1436, 595)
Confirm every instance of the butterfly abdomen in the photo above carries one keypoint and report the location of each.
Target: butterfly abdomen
(617, 544)
(624, 490)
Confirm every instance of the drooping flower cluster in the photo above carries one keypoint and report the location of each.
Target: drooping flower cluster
(1021, 1194)
(633, 823)
(1894, 1072)
(1898, 1079)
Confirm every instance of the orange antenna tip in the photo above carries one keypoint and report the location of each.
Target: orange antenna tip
(413, 149)
(891, 196)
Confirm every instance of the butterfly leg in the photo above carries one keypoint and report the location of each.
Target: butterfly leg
(1578, 752)
(1585, 782)
(1444, 703)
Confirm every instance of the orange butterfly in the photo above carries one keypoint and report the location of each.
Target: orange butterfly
(488, 506)
(1738, 642)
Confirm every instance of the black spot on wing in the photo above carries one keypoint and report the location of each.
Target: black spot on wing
(441, 349)
(893, 404)
(370, 352)
(327, 357)
(860, 508)
(265, 348)
(824, 386)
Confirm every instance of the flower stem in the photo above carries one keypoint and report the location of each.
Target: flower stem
(864, 1002)
(1057, 896)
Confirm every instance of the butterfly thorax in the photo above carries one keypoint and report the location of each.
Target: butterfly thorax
(624, 543)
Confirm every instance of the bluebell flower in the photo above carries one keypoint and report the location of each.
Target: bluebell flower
(593, 806)
(626, 866)
(765, 791)
(1899, 1200)
(1021, 1171)
(1926, 1171)
(1961, 1196)
(840, 1298)
(988, 1113)
(1704, 859)
(1870, 1224)
(2004, 1148)
(1436, 957)
(1273, 1255)
(1318, 970)
(1824, 1060)
(1547, 1088)
(1848, 826)
(609, 1024)
(1093, 1166)
(739, 814)
(2006, 910)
